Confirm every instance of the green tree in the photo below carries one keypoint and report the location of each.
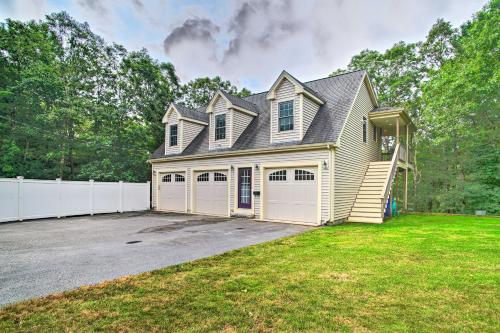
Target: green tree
(199, 92)
(75, 107)
(461, 117)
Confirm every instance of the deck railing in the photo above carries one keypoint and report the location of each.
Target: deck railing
(386, 189)
(402, 157)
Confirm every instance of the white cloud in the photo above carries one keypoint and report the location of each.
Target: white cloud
(23, 10)
(255, 39)
(308, 38)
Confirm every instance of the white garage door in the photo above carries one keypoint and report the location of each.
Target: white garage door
(291, 194)
(172, 192)
(211, 193)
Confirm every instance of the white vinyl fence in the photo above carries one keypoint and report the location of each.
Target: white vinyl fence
(22, 199)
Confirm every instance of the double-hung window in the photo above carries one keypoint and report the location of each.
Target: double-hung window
(173, 135)
(220, 127)
(365, 128)
(285, 116)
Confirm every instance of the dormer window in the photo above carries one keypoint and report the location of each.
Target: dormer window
(285, 117)
(173, 135)
(220, 127)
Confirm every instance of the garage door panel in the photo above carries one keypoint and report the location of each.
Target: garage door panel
(211, 195)
(292, 199)
(172, 192)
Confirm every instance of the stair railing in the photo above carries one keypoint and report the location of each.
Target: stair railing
(386, 189)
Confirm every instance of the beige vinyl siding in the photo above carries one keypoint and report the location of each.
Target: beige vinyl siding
(247, 161)
(219, 108)
(189, 131)
(353, 156)
(239, 124)
(310, 109)
(172, 120)
(285, 92)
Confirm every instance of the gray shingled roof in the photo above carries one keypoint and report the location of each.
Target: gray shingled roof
(338, 93)
(307, 88)
(241, 102)
(198, 114)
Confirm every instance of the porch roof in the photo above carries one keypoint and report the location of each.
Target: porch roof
(388, 118)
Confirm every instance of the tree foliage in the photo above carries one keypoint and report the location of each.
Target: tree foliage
(449, 84)
(74, 107)
(198, 92)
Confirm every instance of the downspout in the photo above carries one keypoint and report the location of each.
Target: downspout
(332, 182)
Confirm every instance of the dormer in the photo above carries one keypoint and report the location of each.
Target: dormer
(228, 117)
(293, 107)
(182, 125)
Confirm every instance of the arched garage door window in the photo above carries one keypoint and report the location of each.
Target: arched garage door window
(278, 176)
(203, 177)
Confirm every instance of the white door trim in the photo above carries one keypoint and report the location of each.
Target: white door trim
(289, 165)
(237, 210)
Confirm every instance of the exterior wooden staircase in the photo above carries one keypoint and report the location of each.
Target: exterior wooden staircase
(370, 203)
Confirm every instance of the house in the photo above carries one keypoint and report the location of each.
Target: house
(302, 152)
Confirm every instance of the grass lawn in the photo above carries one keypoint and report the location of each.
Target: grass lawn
(415, 273)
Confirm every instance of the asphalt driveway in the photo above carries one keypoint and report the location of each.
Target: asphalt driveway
(44, 256)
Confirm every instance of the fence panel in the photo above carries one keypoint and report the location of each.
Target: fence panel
(22, 199)
(106, 197)
(75, 198)
(134, 197)
(9, 203)
(38, 199)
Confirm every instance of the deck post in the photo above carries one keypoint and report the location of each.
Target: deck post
(397, 130)
(406, 190)
(407, 157)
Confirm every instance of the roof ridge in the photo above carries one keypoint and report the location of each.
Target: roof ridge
(242, 98)
(323, 78)
(339, 74)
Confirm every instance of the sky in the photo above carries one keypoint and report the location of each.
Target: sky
(249, 42)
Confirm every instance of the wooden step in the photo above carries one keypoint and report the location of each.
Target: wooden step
(364, 196)
(378, 167)
(383, 177)
(374, 180)
(375, 172)
(381, 163)
(366, 214)
(363, 191)
(365, 219)
(356, 210)
(368, 200)
(377, 185)
(366, 205)
(370, 170)
(373, 183)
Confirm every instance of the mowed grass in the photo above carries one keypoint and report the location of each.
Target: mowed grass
(415, 273)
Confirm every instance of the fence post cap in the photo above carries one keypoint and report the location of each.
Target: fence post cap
(58, 179)
(20, 177)
(91, 180)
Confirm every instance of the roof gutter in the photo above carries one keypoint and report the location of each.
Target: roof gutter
(305, 147)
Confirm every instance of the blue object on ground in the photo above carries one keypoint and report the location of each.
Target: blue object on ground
(394, 208)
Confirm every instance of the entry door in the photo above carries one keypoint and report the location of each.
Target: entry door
(172, 192)
(291, 194)
(211, 193)
(245, 188)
